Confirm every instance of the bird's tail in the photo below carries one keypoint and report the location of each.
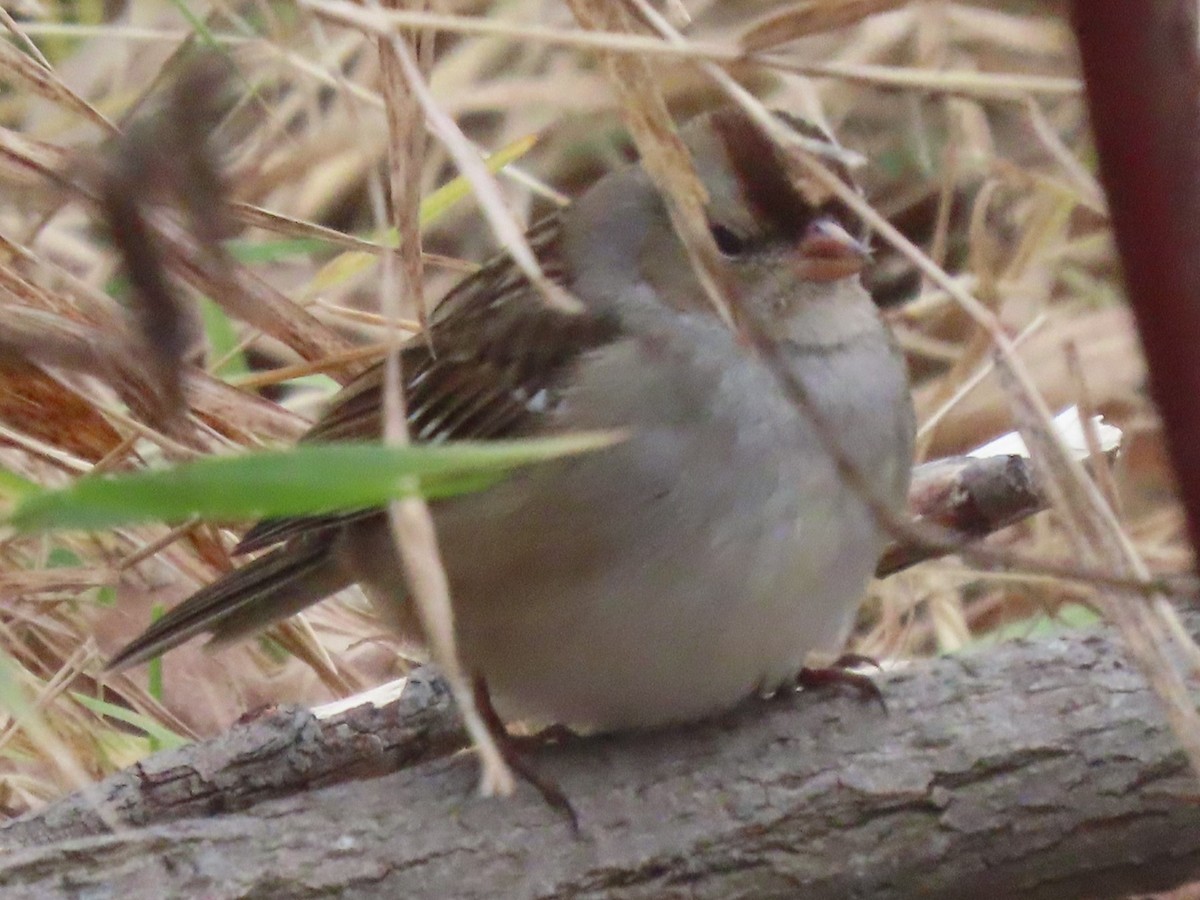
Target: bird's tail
(245, 601)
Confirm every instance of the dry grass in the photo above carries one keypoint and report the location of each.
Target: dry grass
(969, 113)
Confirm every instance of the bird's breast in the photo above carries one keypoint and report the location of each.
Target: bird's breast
(700, 561)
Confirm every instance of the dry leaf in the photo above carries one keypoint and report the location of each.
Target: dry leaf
(809, 17)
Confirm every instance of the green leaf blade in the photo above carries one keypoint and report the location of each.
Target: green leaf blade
(307, 480)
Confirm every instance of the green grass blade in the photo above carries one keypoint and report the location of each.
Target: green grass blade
(160, 735)
(222, 340)
(352, 263)
(13, 486)
(301, 481)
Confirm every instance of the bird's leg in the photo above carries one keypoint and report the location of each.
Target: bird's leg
(513, 747)
(839, 674)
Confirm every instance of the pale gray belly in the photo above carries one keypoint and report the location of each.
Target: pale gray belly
(669, 577)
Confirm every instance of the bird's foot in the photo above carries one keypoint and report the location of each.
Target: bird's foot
(839, 674)
(515, 747)
(551, 735)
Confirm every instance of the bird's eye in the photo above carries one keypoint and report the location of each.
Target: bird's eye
(729, 243)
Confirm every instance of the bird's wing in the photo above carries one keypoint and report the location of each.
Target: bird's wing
(490, 366)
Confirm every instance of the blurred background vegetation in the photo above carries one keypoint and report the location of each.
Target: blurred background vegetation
(970, 116)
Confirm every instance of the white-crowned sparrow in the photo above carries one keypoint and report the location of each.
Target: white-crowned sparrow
(672, 575)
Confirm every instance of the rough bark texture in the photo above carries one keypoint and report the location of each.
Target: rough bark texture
(969, 497)
(1029, 769)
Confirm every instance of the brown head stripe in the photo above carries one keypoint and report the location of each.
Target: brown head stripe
(764, 178)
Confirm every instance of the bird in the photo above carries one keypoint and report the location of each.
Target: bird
(697, 562)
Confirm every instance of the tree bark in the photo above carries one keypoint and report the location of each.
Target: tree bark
(1027, 769)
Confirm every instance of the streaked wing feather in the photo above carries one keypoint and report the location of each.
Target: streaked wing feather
(273, 531)
(270, 588)
(496, 345)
